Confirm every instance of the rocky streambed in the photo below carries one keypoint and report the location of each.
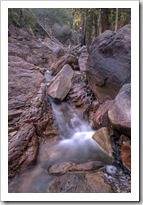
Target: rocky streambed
(78, 140)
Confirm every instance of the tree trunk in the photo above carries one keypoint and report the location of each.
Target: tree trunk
(99, 23)
(95, 24)
(116, 20)
(104, 19)
(83, 30)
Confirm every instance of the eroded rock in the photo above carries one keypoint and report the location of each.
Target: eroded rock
(109, 63)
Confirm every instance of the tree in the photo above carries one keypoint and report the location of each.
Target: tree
(105, 19)
(116, 20)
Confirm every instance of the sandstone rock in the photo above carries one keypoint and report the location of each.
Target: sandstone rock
(120, 112)
(101, 115)
(109, 63)
(80, 183)
(22, 149)
(72, 166)
(61, 83)
(126, 155)
(66, 59)
(102, 137)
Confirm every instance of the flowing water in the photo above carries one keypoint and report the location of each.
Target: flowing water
(75, 144)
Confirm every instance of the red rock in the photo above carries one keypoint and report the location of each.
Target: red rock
(83, 182)
(22, 148)
(126, 155)
(101, 116)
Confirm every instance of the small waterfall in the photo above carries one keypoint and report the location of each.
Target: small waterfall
(68, 122)
(76, 142)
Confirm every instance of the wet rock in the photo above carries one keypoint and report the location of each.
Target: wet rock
(102, 137)
(82, 61)
(101, 115)
(80, 183)
(61, 83)
(120, 112)
(109, 63)
(126, 155)
(72, 166)
(22, 149)
(66, 59)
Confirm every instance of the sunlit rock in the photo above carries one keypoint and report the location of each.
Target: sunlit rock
(102, 137)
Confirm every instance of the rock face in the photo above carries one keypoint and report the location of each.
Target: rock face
(102, 137)
(29, 113)
(120, 112)
(109, 63)
(24, 44)
(23, 149)
(61, 83)
(72, 166)
(80, 183)
(66, 59)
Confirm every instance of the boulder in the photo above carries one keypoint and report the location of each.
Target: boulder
(66, 59)
(109, 63)
(102, 137)
(61, 83)
(72, 166)
(120, 112)
(80, 183)
(101, 115)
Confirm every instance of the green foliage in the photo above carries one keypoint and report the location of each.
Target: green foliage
(55, 15)
(62, 33)
(22, 18)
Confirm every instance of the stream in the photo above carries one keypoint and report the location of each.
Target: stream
(75, 144)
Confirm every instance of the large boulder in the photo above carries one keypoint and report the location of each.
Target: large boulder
(80, 183)
(120, 112)
(61, 83)
(109, 63)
